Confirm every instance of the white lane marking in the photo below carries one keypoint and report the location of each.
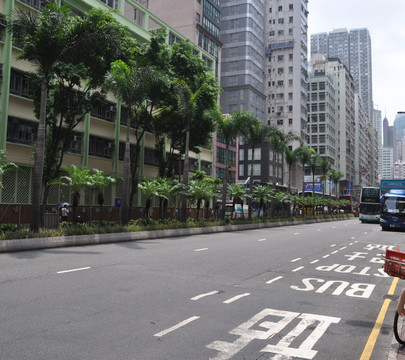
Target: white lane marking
(179, 325)
(365, 233)
(296, 233)
(342, 248)
(262, 240)
(202, 249)
(318, 229)
(333, 245)
(313, 262)
(296, 259)
(333, 227)
(351, 244)
(235, 298)
(71, 270)
(352, 238)
(325, 256)
(297, 269)
(198, 297)
(273, 280)
(334, 252)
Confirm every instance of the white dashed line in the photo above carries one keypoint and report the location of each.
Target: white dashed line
(262, 240)
(198, 297)
(325, 256)
(273, 280)
(202, 249)
(297, 259)
(334, 252)
(342, 248)
(313, 262)
(333, 245)
(297, 269)
(235, 298)
(71, 270)
(179, 325)
(353, 237)
(296, 233)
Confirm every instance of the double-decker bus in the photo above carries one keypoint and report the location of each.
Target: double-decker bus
(369, 209)
(392, 214)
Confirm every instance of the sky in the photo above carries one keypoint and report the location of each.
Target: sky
(385, 23)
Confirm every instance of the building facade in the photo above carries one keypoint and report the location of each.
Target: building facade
(99, 140)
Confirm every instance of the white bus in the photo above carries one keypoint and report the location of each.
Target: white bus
(370, 206)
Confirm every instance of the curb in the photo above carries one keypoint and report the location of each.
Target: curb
(81, 240)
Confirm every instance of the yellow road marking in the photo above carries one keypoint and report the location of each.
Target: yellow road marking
(368, 349)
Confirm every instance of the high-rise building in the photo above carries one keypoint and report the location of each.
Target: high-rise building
(399, 125)
(243, 57)
(198, 21)
(353, 48)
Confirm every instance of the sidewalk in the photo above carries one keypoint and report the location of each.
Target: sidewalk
(81, 240)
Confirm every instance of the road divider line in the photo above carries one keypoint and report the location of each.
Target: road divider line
(314, 262)
(368, 349)
(202, 249)
(273, 280)
(235, 298)
(342, 248)
(175, 327)
(297, 269)
(198, 297)
(334, 252)
(72, 270)
(296, 233)
(333, 245)
(297, 259)
(262, 240)
(325, 256)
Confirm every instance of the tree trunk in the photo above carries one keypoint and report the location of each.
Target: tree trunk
(183, 210)
(39, 160)
(125, 185)
(224, 184)
(251, 185)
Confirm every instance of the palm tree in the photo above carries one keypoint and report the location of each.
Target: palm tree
(77, 179)
(149, 188)
(237, 192)
(278, 141)
(229, 127)
(134, 85)
(253, 133)
(291, 157)
(5, 166)
(313, 163)
(201, 190)
(335, 176)
(304, 156)
(167, 188)
(325, 166)
(100, 180)
(43, 40)
(263, 193)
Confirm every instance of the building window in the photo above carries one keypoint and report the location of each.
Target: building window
(290, 69)
(197, 17)
(281, 21)
(21, 131)
(258, 154)
(111, 3)
(256, 169)
(241, 170)
(290, 121)
(241, 154)
(280, 122)
(291, 6)
(19, 84)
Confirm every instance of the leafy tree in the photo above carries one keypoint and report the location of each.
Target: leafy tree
(44, 40)
(253, 133)
(67, 49)
(77, 82)
(149, 188)
(100, 181)
(77, 179)
(229, 127)
(335, 176)
(291, 158)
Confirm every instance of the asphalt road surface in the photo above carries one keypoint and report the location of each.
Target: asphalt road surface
(313, 291)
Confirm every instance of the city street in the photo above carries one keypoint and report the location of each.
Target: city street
(296, 292)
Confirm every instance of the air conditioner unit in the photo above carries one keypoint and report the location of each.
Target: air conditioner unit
(110, 145)
(77, 138)
(113, 108)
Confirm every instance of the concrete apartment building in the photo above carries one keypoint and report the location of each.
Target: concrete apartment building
(353, 48)
(99, 141)
(332, 124)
